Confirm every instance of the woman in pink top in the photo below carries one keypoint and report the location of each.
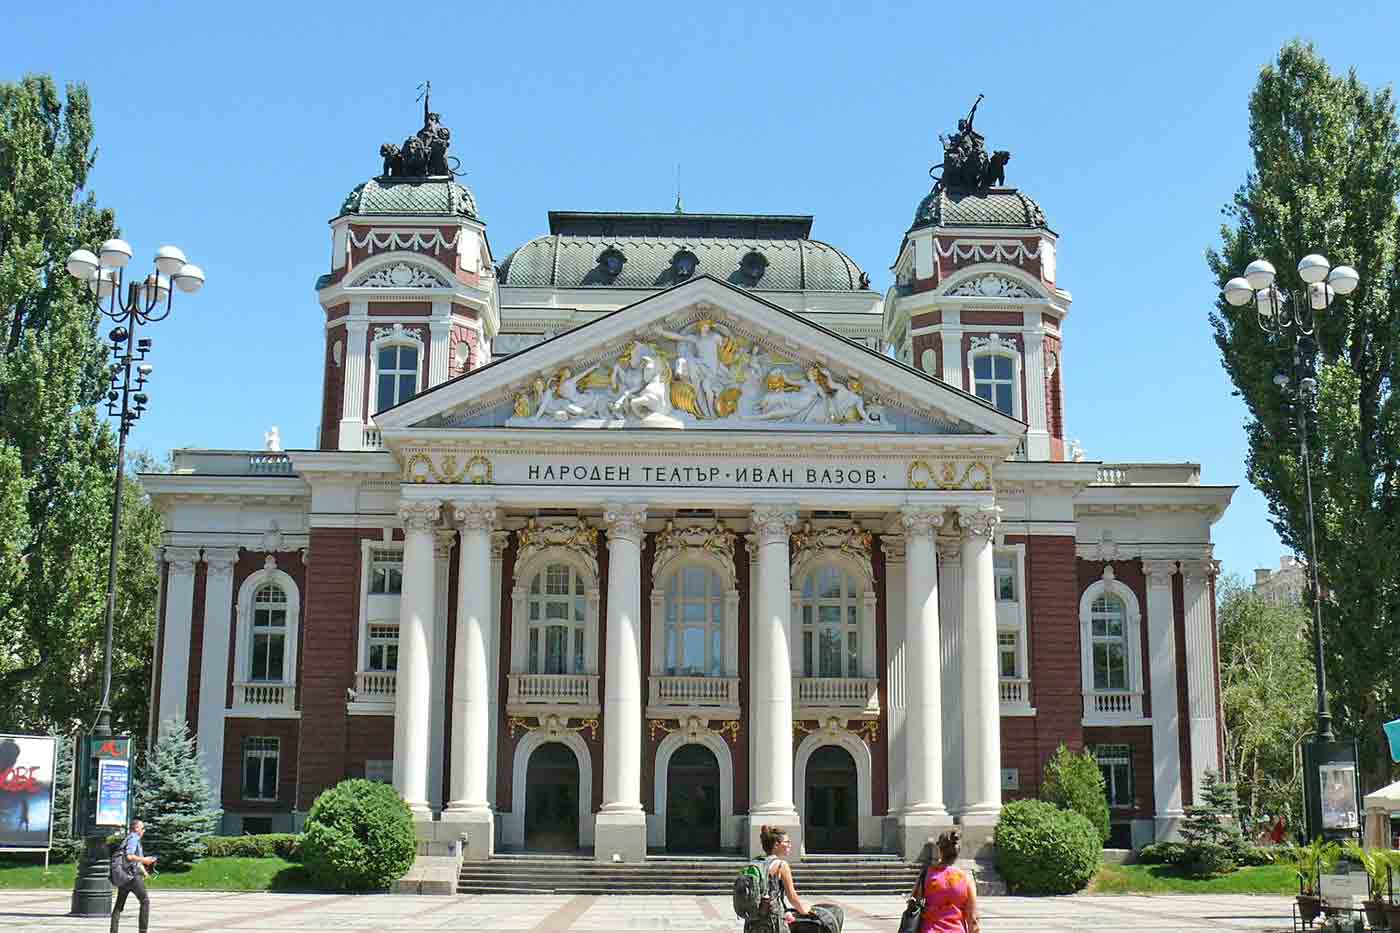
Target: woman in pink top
(950, 897)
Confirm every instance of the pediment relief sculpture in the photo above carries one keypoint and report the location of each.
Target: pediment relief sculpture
(716, 540)
(853, 541)
(990, 286)
(400, 275)
(700, 376)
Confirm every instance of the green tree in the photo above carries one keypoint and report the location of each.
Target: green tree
(1211, 830)
(57, 455)
(1269, 695)
(1325, 179)
(1074, 782)
(173, 798)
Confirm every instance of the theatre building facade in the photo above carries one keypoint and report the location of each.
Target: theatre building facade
(668, 526)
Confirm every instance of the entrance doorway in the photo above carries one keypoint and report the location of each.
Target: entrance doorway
(832, 820)
(551, 799)
(692, 800)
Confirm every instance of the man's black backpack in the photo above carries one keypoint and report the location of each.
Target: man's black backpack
(121, 871)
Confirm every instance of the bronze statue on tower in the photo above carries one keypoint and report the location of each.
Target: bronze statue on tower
(424, 154)
(966, 166)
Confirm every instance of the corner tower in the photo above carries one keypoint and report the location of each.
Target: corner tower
(410, 299)
(975, 300)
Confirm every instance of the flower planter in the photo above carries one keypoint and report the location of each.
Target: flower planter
(1376, 917)
(1392, 912)
(1310, 907)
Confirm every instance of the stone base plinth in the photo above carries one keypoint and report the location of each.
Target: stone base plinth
(787, 819)
(976, 842)
(917, 830)
(476, 829)
(623, 835)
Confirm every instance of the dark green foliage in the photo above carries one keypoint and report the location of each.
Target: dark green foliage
(1074, 782)
(359, 837)
(265, 845)
(64, 848)
(1042, 849)
(1162, 853)
(1211, 832)
(173, 798)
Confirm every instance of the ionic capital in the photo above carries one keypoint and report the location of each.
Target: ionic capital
(949, 549)
(181, 560)
(773, 523)
(443, 539)
(921, 521)
(419, 516)
(1158, 572)
(893, 548)
(625, 521)
(220, 562)
(979, 521)
(475, 514)
(500, 540)
(1199, 571)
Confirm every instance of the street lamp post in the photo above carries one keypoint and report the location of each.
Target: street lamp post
(146, 302)
(1290, 316)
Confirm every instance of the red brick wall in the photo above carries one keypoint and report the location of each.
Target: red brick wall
(333, 389)
(1053, 636)
(367, 738)
(1139, 740)
(1183, 709)
(934, 342)
(1054, 411)
(287, 731)
(400, 308)
(1020, 749)
(879, 751)
(505, 745)
(201, 576)
(159, 660)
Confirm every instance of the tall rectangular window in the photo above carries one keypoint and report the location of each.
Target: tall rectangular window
(269, 634)
(385, 570)
(260, 759)
(1008, 657)
(1004, 566)
(1116, 765)
(383, 653)
(993, 375)
(398, 376)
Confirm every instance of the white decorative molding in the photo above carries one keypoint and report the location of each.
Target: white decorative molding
(399, 238)
(574, 535)
(1009, 251)
(397, 334)
(990, 286)
(852, 541)
(400, 275)
(717, 541)
(994, 343)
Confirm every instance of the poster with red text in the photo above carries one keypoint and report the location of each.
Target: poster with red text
(26, 791)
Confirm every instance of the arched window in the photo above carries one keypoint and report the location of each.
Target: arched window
(396, 368)
(994, 379)
(694, 630)
(832, 610)
(556, 621)
(269, 634)
(1109, 634)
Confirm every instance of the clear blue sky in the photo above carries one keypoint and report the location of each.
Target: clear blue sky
(234, 131)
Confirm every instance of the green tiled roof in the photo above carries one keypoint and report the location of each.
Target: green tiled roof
(994, 207)
(411, 196)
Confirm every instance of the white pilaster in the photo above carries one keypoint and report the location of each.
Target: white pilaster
(439, 343)
(1038, 432)
(153, 712)
(952, 355)
(179, 611)
(213, 663)
(981, 691)
(1166, 720)
(437, 665)
(414, 689)
(770, 689)
(471, 696)
(896, 683)
(352, 415)
(1200, 670)
(924, 809)
(950, 631)
(621, 827)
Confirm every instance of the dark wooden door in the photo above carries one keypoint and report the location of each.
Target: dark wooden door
(551, 799)
(692, 800)
(832, 821)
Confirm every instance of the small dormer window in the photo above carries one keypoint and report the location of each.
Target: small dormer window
(753, 266)
(683, 264)
(610, 262)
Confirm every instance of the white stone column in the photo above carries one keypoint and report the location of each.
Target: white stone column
(1038, 433)
(1200, 670)
(896, 688)
(952, 354)
(213, 664)
(621, 825)
(413, 691)
(437, 665)
(439, 343)
(770, 676)
(469, 806)
(499, 542)
(924, 810)
(981, 689)
(1166, 719)
(153, 710)
(178, 623)
(352, 414)
(950, 632)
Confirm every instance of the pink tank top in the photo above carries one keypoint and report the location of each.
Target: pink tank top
(946, 893)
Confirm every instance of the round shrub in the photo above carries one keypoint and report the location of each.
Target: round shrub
(1074, 782)
(1042, 849)
(359, 837)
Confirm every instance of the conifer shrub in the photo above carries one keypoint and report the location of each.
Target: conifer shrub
(261, 845)
(359, 837)
(1074, 782)
(174, 800)
(1210, 833)
(1042, 849)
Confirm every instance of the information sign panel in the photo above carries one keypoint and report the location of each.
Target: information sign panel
(27, 765)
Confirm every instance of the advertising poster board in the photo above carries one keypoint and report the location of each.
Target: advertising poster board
(1337, 781)
(27, 764)
(113, 790)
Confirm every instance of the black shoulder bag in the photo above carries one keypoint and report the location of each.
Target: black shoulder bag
(914, 913)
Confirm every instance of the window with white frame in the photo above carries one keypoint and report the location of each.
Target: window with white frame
(694, 629)
(556, 621)
(1009, 654)
(386, 571)
(382, 647)
(994, 380)
(832, 607)
(1004, 565)
(1108, 632)
(1116, 765)
(396, 375)
(269, 634)
(260, 759)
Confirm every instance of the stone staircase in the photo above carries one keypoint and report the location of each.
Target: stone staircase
(816, 875)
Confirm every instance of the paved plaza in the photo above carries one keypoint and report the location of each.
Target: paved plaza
(272, 913)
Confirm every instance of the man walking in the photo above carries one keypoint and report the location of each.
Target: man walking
(134, 854)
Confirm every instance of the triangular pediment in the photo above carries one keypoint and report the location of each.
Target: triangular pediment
(706, 356)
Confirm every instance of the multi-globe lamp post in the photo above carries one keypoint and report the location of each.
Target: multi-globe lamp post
(1289, 316)
(130, 305)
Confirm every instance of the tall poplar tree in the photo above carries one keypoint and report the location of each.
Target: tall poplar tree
(1325, 180)
(57, 453)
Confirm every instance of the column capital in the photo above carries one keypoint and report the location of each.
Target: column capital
(949, 549)
(182, 559)
(220, 561)
(625, 521)
(442, 543)
(1158, 572)
(773, 523)
(500, 540)
(980, 521)
(474, 514)
(419, 516)
(1199, 571)
(921, 521)
(893, 547)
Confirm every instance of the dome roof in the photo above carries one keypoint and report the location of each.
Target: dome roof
(584, 251)
(411, 196)
(989, 207)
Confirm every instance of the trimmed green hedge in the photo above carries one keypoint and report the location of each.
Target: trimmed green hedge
(359, 837)
(267, 845)
(1042, 849)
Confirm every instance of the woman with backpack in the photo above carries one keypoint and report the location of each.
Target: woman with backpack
(948, 895)
(784, 910)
